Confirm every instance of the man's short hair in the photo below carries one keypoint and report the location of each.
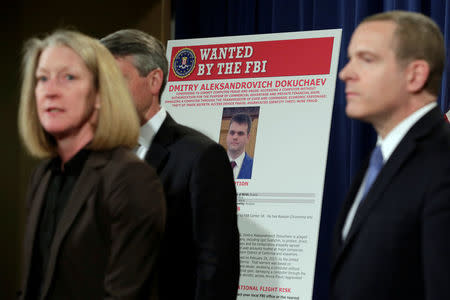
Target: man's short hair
(118, 123)
(148, 53)
(417, 37)
(242, 118)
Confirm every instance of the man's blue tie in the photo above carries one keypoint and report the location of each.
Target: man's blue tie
(375, 165)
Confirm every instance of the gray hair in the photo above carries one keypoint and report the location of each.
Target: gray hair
(148, 53)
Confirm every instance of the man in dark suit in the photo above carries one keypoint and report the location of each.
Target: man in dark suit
(391, 239)
(200, 251)
(237, 138)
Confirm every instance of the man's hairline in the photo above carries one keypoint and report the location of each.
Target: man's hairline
(131, 59)
(393, 43)
(245, 123)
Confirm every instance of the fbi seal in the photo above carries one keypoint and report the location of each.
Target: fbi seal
(183, 63)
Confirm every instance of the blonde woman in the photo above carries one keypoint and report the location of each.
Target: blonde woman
(95, 212)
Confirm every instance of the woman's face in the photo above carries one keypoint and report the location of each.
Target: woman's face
(66, 97)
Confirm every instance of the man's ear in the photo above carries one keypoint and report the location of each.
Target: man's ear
(155, 80)
(417, 73)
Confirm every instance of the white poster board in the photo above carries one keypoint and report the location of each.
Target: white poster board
(286, 83)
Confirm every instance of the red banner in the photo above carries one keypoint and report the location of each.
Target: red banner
(252, 60)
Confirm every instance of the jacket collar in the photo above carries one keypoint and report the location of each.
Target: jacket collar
(159, 151)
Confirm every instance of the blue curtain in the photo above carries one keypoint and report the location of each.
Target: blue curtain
(350, 141)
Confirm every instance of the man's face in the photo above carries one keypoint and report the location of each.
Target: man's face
(138, 86)
(237, 138)
(375, 83)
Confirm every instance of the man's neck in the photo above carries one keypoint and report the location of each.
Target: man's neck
(234, 155)
(151, 112)
(384, 127)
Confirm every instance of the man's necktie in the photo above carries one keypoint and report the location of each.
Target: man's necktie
(233, 164)
(375, 165)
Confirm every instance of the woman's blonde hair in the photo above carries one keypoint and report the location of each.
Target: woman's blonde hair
(118, 123)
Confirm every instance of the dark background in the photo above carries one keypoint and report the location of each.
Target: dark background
(21, 20)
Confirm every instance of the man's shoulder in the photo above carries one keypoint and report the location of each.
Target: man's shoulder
(248, 158)
(188, 136)
(188, 150)
(437, 144)
(431, 143)
(432, 132)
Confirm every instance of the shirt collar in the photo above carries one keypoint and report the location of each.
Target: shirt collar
(391, 141)
(149, 129)
(71, 167)
(239, 159)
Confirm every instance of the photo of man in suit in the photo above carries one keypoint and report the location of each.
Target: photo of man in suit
(200, 249)
(391, 240)
(237, 138)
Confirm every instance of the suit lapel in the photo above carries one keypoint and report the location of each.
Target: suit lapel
(158, 154)
(86, 183)
(242, 170)
(349, 199)
(390, 169)
(398, 158)
(33, 219)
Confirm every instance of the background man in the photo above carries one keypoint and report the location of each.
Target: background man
(200, 250)
(237, 138)
(393, 242)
